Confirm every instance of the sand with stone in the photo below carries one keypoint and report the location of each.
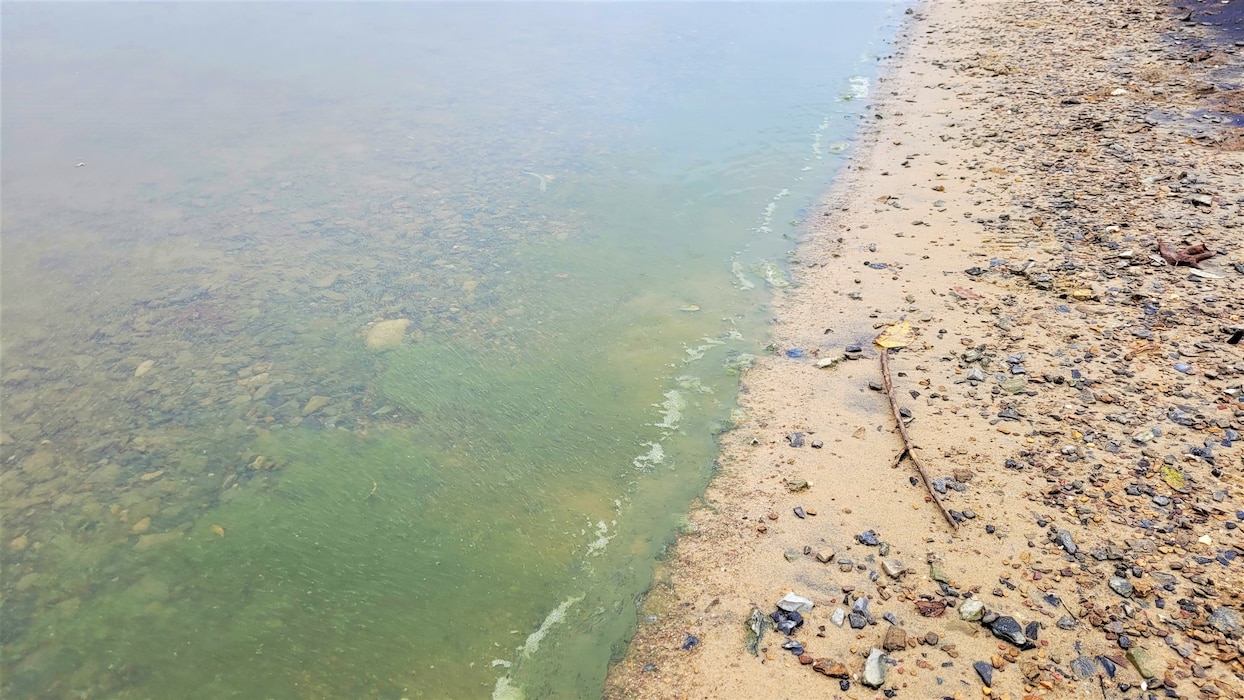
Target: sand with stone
(1028, 173)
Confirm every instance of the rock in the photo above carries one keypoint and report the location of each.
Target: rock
(895, 639)
(795, 439)
(984, 669)
(757, 624)
(1226, 620)
(874, 669)
(825, 556)
(19, 544)
(839, 617)
(857, 621)
(1007, 629)
(893, 568)
(937, 573)
(141, 526)
(971, 610)
(869, 538)
(1063, 539)
(1083, 667)
(1122, 586)
(314, 404)
(1141, 660)
(833, 669)
(792, 602)
(144, 368)
(387, 335)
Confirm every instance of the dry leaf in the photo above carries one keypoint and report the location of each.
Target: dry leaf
(899, 335)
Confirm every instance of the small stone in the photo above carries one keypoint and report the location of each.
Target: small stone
(1225, 620)
(839, 617)
(797, 485)
(1083, 667)
(144, 368)
(805, 659)
(874, 669)
(314, 404)
(1122, 586)
(141, 526)
(857, 621)
(1063, 539)
(817, 444)
(931, 638)
(895, 639)
(387, 335)
(833, 669)
(984, 669)
(893, 568)
(795, 439)
(146, 542)
(1141, 660)
(1008, 629)
(825, 556)
(19, 544)
(971, 610)
(799, 512)
(1066, 622)
(792, 602)
(869, 538)
(937, 573)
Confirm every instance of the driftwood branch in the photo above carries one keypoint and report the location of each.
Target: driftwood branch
(909, 449)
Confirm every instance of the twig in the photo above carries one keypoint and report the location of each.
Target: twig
(909, 450)
(373, 490)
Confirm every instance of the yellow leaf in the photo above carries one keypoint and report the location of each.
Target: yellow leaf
(1174, 478)
(218, 530)
(900, 335)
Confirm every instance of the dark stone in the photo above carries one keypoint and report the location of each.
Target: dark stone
(795, 439)
(690, 641)
(985, 670)
(869, 538)
(1008, 630)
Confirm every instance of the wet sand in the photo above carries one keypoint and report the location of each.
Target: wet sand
(1074, 394)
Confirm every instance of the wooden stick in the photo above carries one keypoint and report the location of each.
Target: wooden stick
(909, 450)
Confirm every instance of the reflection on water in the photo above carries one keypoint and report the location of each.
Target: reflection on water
(374, 351)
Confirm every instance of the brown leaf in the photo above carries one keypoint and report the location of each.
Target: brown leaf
(930, 608)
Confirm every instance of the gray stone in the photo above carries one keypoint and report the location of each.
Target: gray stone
(1083, 667)
(893, 568)
(985, 670)
(839, 617)
(1225, 620)
(1122, 586)
(874, 669)
(796, 603)
(1063, 539)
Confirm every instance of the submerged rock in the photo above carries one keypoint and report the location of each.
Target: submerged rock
(387, 335)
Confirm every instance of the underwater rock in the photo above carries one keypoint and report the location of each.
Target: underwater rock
(387, 335)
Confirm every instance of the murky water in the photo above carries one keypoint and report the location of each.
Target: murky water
(215, 486)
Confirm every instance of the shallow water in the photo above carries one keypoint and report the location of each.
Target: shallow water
(213, 488)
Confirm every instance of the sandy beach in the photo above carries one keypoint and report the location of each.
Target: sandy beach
(1050, 194)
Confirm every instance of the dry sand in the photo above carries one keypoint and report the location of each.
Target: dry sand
(1021, 164)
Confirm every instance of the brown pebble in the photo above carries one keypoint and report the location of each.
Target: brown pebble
(805, 659)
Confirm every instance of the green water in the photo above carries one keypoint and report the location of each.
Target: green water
(213, 488)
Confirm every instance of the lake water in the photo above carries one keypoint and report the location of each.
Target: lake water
(214, 488)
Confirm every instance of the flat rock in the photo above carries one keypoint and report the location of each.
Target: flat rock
(833, 669)
(387, 335)
(971, 610)
(874, 669)
(793, 602)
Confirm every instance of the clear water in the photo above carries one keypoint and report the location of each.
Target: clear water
(213, 488)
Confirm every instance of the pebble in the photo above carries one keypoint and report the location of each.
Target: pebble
(1006, 628)
(869, 538)
(984, 669)
(1122, 586)
(874, 669)
(972, 610)
(893, 568)
(793, 602)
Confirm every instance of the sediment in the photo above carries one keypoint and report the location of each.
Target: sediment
(1051, 195)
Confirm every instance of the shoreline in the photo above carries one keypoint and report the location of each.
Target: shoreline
(1069, 391)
